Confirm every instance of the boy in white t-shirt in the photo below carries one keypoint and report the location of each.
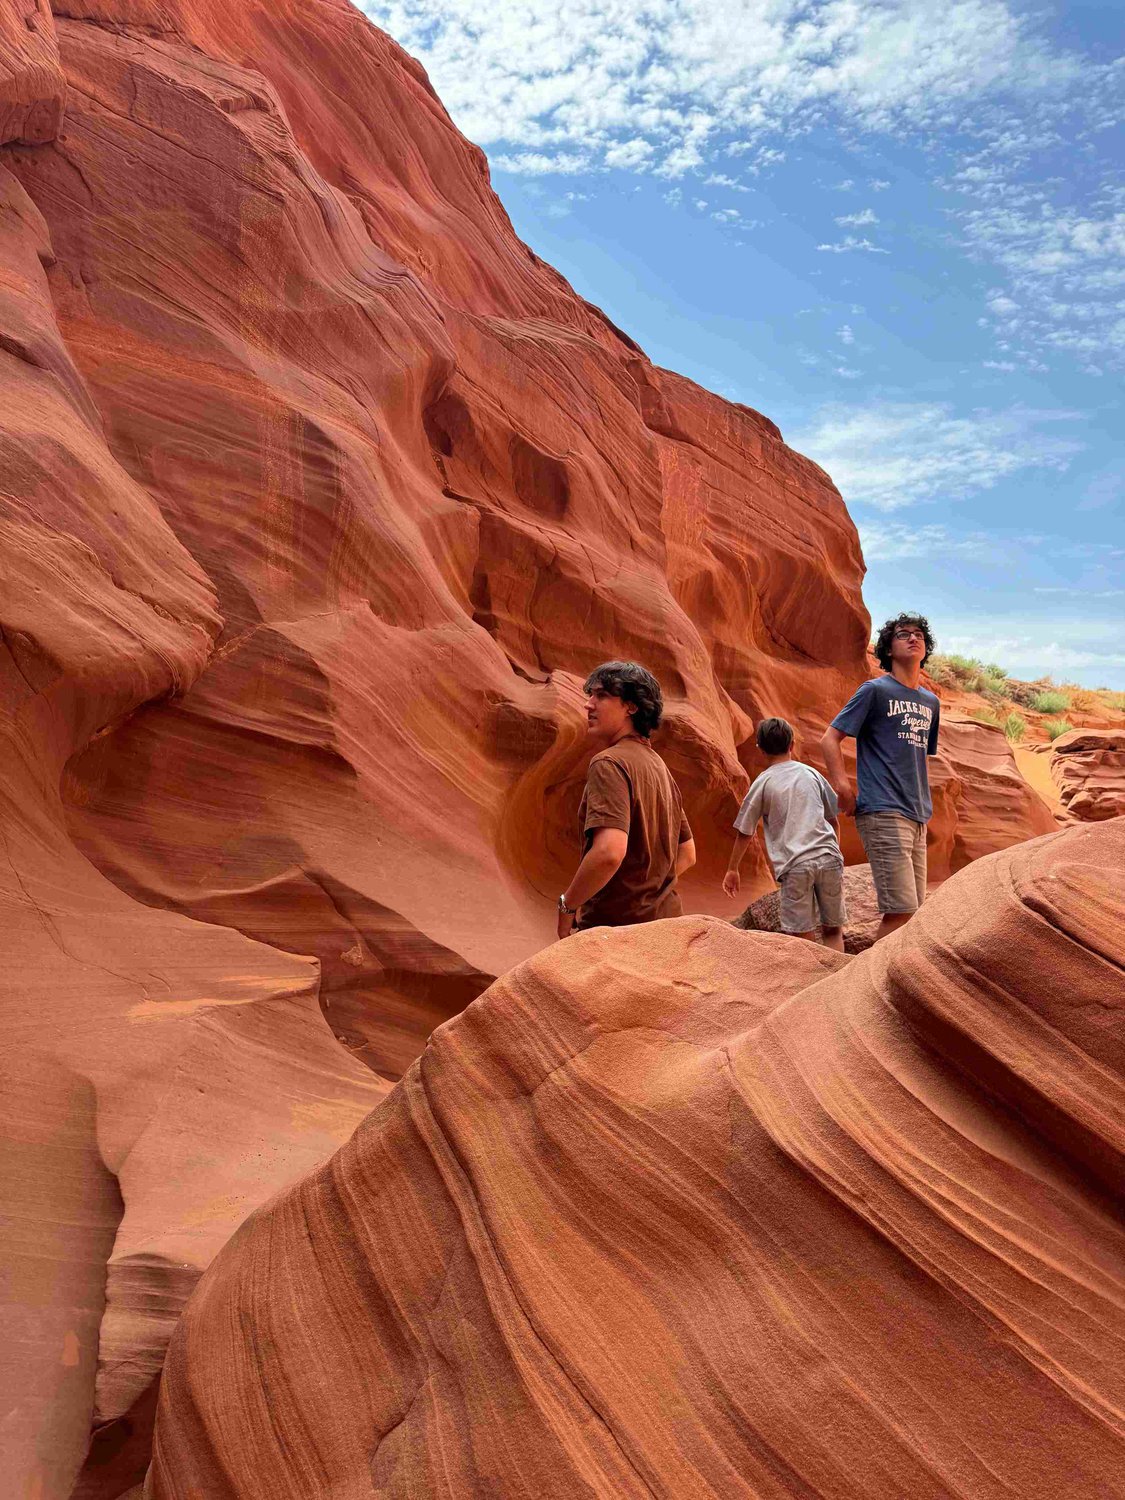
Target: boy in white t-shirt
(799, 812)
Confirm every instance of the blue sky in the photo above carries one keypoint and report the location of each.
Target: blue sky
(896, 228)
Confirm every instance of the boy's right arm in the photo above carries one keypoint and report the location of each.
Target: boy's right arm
(848, 722)
(834, 763)
(732, 880)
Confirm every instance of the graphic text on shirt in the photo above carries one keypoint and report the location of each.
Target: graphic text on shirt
(914, 720)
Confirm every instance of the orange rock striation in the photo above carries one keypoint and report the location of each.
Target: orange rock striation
(1088, 767)
(685, 1211)
(321, 494)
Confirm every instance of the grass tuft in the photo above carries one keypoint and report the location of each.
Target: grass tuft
(1049, 701)
(1015, 727)
(1056, 727)
(967, 673)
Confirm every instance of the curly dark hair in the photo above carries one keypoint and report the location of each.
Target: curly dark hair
(631, 683)
(886, 635)
(774, 736)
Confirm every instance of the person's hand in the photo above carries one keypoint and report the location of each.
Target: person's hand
(566, 924)
(732, 883)
(845, 797)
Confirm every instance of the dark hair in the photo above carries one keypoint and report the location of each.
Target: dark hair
(632, 684)
(775, 736)
(886, 635)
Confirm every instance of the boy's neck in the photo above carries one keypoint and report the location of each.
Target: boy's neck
(909, 673)
(779, 760)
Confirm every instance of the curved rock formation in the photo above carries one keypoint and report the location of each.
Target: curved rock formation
(982, 802)
(686, 1211)
(1088, 767)
(321, 495)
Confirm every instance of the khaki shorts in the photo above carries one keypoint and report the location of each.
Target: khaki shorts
(896, 852)
(818, 885)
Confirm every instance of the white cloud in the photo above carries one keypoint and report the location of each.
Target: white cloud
(635, 153)
(691, 79)
(1081, 646)
(845, 335)
(849, 242)
(846, 372)
(538, 164)
(1062, 264)
(563, 207)
(891, 540)
(890, 455)
(732, 219)
(764, 158)
(719, 179)
(896, 541)
(867, 216)
(999, 364)
(877, 185)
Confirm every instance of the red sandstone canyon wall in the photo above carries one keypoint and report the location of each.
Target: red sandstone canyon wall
(846, 1230)
(320, 495)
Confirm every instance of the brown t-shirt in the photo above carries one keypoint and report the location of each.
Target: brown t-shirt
(629, 787)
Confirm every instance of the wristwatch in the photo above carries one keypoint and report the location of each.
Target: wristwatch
(564, 910)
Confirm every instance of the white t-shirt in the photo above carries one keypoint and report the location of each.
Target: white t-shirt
(795, 802)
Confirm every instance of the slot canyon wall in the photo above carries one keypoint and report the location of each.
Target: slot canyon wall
(319, 493)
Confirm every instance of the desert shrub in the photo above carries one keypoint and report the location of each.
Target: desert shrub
(1055, 727)
(1015, 727)
(1022, 692)
(942, 668)
(1112, 699)
(1081, 699)
(966, 672)
(986, 716)
(1049, 701)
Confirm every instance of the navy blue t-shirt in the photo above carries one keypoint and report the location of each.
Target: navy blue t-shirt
(895, 728)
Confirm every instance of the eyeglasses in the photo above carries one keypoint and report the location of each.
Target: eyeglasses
(909, 635)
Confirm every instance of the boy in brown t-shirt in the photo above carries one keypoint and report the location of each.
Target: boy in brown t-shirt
(635, 835)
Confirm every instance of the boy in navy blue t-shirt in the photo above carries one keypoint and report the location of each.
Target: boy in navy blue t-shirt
(895, 724)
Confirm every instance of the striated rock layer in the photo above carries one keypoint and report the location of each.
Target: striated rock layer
(686, 1211)
(1088, 767)
(321, 493)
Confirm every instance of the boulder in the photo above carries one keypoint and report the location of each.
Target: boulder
(1088, 767)
(764, 914)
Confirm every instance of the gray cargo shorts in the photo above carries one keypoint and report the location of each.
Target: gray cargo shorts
(896, 852)
(807, 888)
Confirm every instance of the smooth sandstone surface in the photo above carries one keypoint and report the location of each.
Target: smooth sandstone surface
(981, 800)
(685, 1211)
(1088, 767)
(321, 494)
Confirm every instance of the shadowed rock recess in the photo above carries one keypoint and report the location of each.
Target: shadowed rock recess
(319, 495)
(685, 1211)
